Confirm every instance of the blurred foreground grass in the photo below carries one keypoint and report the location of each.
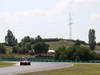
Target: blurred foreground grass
(77, 69)
(6, 64)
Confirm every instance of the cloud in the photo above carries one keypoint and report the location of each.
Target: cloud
(60, 6)
(31, 12)
(94, 19)
(49, 18)
(28, 15)
(79, 3)
(56, 11)
(7, 18)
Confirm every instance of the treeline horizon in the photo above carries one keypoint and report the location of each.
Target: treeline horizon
(27, 44)
(45, 39)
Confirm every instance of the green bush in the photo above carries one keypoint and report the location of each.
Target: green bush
(78, 52)
(8, 49)
(75, 53)
(61, 53)
(95, 56)
(41, 48)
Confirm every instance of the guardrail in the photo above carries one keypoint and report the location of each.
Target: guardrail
(52, 60)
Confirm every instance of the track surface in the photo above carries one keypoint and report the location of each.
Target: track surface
(35, 67)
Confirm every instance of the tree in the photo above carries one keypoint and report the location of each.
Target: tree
(17, 50)
(2, 49)
(78, 52)
(26, 39)
(77, 42)
(75, 52)
(26, 44)
(10, 39)
(80, 42)
(61, 53)
(38, 39)
(92, 38)
(41, 48)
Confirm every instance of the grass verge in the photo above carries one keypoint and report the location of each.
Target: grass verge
(78, 69)
(6, 64)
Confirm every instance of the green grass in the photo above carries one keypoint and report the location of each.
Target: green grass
(5, 64)
(57, 44)
(78, 69)
(15, 56)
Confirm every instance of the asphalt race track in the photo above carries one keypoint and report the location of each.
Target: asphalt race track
(35, 67)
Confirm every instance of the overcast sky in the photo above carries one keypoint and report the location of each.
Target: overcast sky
(49, 18)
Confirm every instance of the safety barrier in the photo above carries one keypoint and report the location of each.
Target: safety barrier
(52, 60)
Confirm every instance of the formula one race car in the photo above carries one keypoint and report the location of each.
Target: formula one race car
(25, 62)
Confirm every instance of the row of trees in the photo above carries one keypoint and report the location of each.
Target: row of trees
(78, 51)
(28, 45)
